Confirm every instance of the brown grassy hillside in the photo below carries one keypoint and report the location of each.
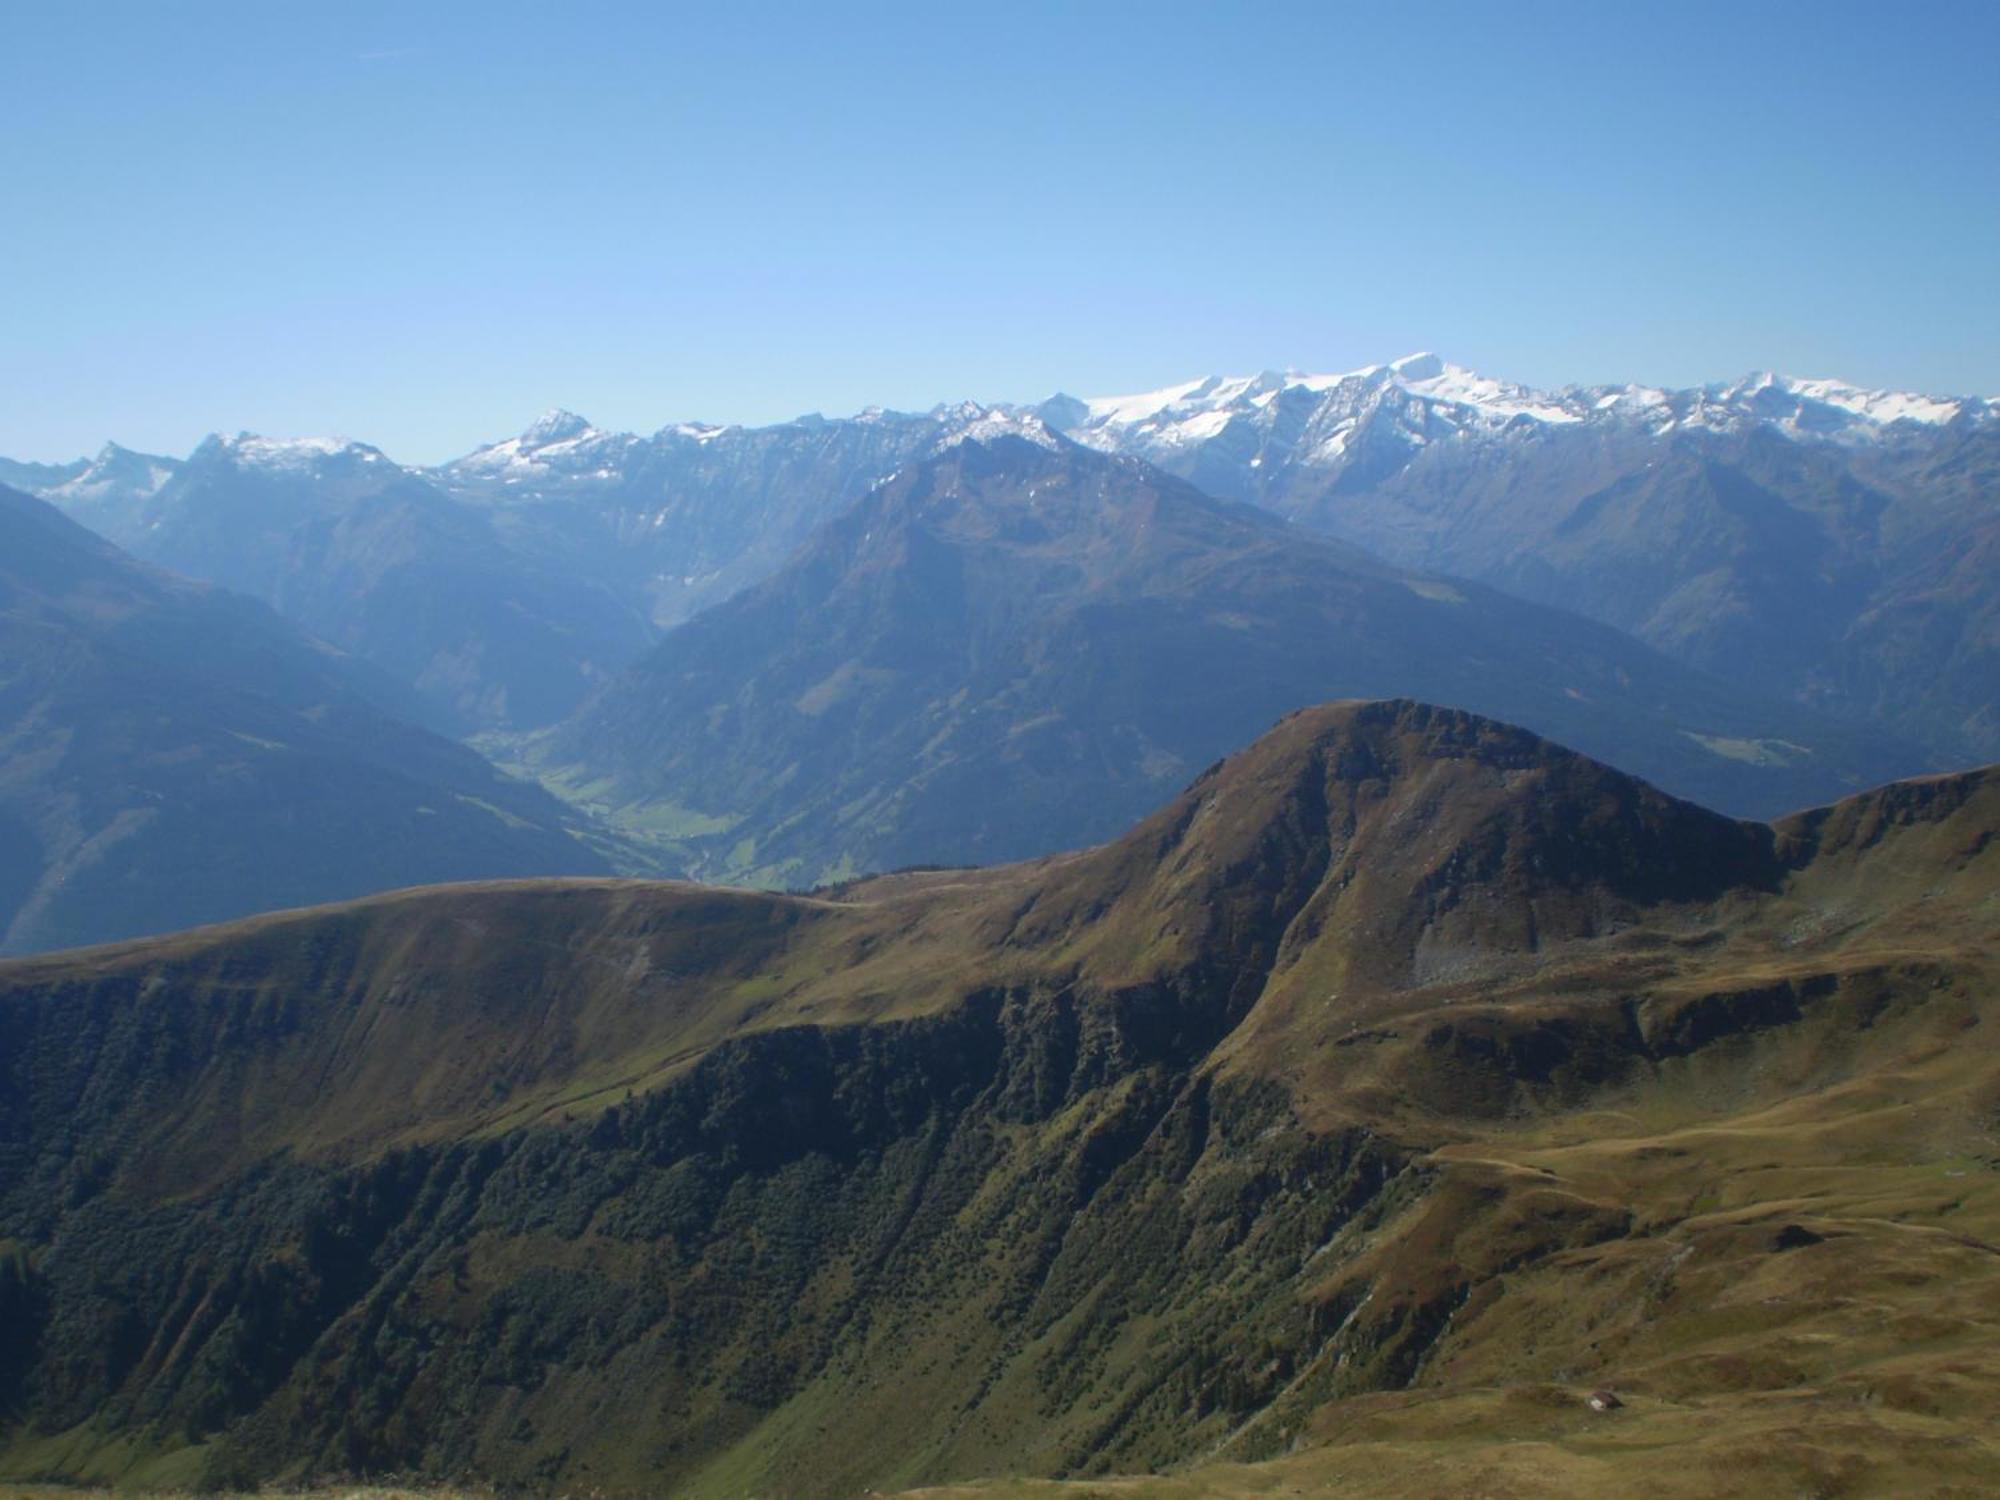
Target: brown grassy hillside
(1336, 1130)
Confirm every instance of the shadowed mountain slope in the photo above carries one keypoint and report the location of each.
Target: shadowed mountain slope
(378, 561)
(1021, 646)
(681, 520)
(1404, 1052)
(170, 753)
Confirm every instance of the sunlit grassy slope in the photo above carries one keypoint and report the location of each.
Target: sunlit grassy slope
(1337, 1131)
(1802, 1300)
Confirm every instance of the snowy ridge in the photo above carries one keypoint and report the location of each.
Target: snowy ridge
(1781, 398)
(555, 426)
(1313, 418)
(300, 454)
(557, 443)
(1184, 406)
(697, 432)
(1202, 407)
(1280, 416)
(115, 473)
(1431, 378)
(969, 420)
(1289, 417)
(1421, 398)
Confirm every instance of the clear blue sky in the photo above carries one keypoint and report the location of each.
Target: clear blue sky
(420, 224)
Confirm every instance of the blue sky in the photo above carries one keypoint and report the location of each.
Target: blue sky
(421, 224)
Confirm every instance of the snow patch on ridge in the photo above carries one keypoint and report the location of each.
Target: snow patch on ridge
(304, 453)
(1199, 409)
(558, 441)
(1880, 407)
(985, 423)
(555, 426)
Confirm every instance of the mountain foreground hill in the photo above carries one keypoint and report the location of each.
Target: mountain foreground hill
(1022, 645)
(171, 754)
(1402, 1081)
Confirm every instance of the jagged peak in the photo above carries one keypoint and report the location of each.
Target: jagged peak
(564, 442)
(1875, 407)
(1200, 409)
(970, 422)
(555, 425)
(116, 456)
(1192, 413)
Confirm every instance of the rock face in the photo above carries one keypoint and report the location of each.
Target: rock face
(1021, 645)
(1106, 1161)
(176, 754)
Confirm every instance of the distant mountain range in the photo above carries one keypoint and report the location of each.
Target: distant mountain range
(1806, 539)
(1022, 644)
(794, 652)
(1331, 420)
(171, 753)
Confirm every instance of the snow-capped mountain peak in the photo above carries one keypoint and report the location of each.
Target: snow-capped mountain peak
(969, 420)
(557, 444)
(1782, 397)
(1434, 379)
(1176, 417)
(1193, 398)
(555, 426)
(252, 450)
(116, 473)
(1422, 398)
